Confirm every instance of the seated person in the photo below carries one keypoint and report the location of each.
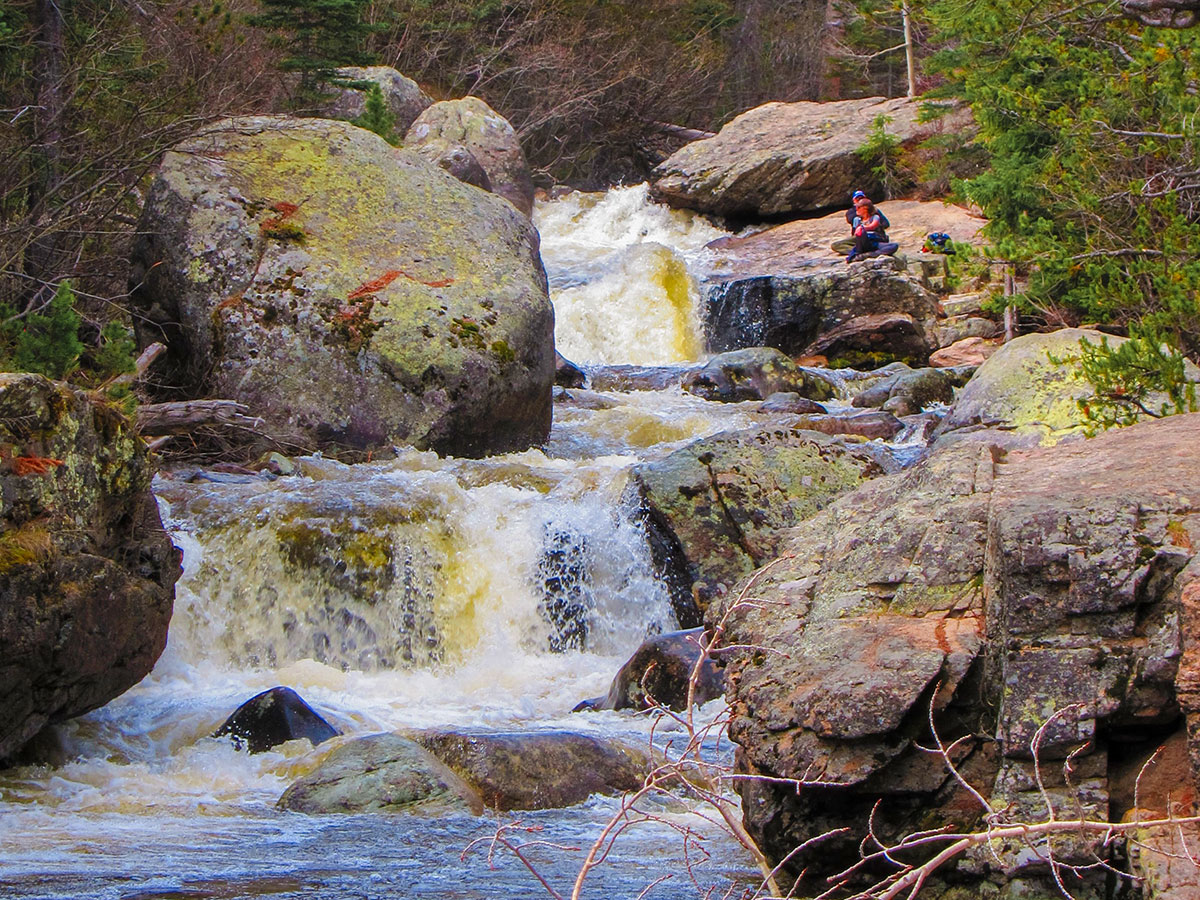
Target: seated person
(870, 235)
(845, 245)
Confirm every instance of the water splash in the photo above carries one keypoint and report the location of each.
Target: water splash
(621, 272)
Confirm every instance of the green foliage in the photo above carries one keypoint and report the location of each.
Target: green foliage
(881, 151)
(1090, 124)
(117, 353)
(46, 342)
(317, 37)
(377, 117)
(1139, 377)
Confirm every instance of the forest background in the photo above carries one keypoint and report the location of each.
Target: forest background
(1085, 159)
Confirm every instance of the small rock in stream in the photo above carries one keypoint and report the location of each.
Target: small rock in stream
(662, 667)
(272, 718)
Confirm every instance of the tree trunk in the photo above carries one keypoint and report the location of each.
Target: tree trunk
(908, 52)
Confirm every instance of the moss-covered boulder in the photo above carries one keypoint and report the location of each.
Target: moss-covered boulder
(448, 130)
(347, 292)
(380, 773)
(1028, 391)
(723, 503)
(87, 574)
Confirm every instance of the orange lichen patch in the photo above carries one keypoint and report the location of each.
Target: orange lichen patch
(372, 287)
(228, 302)
(284, 209)
(34, 465)
(445, 282)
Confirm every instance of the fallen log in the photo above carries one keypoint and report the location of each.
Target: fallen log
(184, 415)
(688, 134)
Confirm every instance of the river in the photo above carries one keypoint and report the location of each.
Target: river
(398, 594)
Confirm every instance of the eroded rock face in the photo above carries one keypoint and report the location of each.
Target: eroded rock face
(1005, 592)
(349, 293)
(725, 501)
(861, 315)
(537, 770)
(784, 158)
(445, 130)
(662, 667)
(403, 96)
(87, 574)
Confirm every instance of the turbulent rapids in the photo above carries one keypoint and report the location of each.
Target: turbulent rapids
(414, 592)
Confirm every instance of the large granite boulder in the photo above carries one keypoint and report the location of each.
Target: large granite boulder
(347, 292)
(455, 132)
(537, 769)
(87, 574)
(781, 159)
(861, 315)
(347, 95)
(1028, 602)
(380, 773)
(724, 503)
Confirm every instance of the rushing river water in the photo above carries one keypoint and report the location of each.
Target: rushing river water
(400, 594)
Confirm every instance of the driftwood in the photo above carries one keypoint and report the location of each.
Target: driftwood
(185, 415)
(149, 355)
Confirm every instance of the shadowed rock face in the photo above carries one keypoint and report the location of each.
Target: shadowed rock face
(404, 98)
(349, 293)
(87, 574)
(662, 667)
(995, 590)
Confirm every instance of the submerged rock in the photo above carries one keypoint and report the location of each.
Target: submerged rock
(754, 373)
(272, 718)
(87, 573)
(537, 770)
(725, 501)
(790, 402)
(781, 159)
(456, 133)
(380, 773)
(409, 308)
(993, 593)
(662, 669)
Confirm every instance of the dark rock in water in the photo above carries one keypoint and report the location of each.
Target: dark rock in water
(868, 424)
(1050, 594)
(567, 599)
(909, 391)
(637, 378)
(537, 770)
(726, 500)
(87, 573)
(380, 773)
(272, 718)
(566, 373)
(790, 402)
(662, 666)
(754, 373)
(798, 313)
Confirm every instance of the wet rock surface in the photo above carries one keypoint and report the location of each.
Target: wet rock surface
(381, 773)
(411, 308)
(537, 770)
(272, 718)
(754, 373)
(1028, 599)
(87, 574)
(659, 673)
(862, 315)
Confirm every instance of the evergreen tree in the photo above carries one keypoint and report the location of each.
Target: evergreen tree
(317, 36)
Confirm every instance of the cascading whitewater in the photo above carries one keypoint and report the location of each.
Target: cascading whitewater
(620, 270)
